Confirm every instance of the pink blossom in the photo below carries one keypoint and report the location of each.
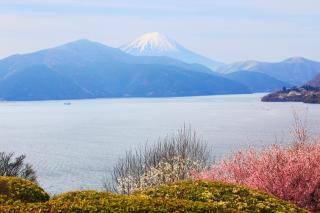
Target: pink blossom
(290, 173)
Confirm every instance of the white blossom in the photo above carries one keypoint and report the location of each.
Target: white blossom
(177, 168)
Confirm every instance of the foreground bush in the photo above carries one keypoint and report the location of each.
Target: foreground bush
(238, 198)
(290, 173)
(91, 201)
(190, 196)
(170, 159)
(17, 190)
(16, 167)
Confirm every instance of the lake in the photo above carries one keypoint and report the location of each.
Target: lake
(75, 146)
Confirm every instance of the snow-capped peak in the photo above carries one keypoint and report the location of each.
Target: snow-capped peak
(247, 64)
(296, 59)
(150, 44)
(157, 44)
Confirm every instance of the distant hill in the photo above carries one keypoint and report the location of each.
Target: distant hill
(85, 69)
(157, 44)
(295, 71)
(315, 82)
(305, 94)
(257, 82)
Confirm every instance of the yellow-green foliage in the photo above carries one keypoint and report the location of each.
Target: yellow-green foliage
(231, 196)
(188, 196)
(92, 201)
(17, 190)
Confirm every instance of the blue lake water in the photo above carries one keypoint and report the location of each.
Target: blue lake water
(74, 146)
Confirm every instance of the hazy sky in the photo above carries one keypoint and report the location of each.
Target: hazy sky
(225, 30)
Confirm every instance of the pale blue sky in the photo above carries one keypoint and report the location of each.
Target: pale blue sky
(225, 30)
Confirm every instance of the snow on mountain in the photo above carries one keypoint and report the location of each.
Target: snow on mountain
(297, 59)
(241, 65)
(151, 44)
(157, 44)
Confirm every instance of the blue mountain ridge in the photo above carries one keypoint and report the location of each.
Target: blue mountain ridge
(86, 69)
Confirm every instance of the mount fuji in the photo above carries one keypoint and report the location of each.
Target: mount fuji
(86, 69)
(157, 44)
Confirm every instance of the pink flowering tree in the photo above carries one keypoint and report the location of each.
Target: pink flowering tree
(291, 173)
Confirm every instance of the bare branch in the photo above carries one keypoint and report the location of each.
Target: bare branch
(10, 166)
(169, 159)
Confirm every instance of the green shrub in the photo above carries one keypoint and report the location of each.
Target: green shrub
(232, 196)
(188, 196)
(15, 190)
(91, 201)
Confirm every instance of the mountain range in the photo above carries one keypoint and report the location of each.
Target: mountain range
(150, 66)
(292, 71)
(256, 81)
(85, 69)
(295, 71)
